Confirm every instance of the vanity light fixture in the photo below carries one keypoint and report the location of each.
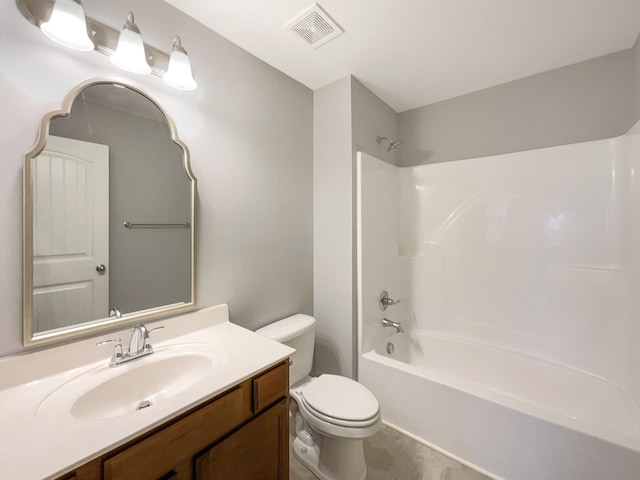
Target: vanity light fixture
(68, 25)
(65, 22)
(130, 55)
(179, 73)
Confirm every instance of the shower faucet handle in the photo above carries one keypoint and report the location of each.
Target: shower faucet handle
(389, 301)
(385, 301)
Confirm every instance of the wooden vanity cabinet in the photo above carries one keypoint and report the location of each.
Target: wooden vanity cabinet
(242, 434)
(253, 452)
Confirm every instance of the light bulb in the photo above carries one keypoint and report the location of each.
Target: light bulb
(68, 26)
(130, 54)
(179, 73)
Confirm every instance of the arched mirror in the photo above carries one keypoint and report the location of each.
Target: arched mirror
(109, 223)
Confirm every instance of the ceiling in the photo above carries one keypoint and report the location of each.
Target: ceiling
(416, 52)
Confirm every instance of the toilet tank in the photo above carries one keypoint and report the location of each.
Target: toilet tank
(299, 332)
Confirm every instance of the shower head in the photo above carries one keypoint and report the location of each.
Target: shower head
(392, 145)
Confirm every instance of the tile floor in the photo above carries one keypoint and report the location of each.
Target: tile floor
(391, 455)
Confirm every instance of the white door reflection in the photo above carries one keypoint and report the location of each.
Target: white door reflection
(71, 233)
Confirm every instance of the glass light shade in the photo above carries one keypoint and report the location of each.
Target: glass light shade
(130, 53)
(68, 26)
(179, 73)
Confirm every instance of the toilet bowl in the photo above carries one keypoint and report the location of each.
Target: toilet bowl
(333, 414)
(338, 406)
(337, 413)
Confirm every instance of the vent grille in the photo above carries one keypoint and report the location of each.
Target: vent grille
(314, 26)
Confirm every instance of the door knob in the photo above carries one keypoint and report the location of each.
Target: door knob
(101, 268)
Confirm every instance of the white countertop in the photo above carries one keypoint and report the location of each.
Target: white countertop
(34, 447)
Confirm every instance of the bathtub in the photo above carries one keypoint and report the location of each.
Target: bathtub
(505, 414)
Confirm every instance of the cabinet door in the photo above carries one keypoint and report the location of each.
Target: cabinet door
(259, 450)
(158, 455)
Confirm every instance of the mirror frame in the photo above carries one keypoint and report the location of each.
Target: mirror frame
(31, 338)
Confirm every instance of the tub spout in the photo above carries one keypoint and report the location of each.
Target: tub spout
(390, 323)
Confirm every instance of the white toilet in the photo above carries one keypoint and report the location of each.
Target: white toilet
(333, 413)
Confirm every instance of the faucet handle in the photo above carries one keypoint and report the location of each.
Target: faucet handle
(117, 350)
(146, 345)
(385, 301)
(111, 340)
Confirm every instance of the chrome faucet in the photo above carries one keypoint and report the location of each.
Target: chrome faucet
(115, 312)
(138, 345)
(390, 323)
(138, 341)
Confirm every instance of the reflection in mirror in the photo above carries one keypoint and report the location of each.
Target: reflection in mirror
(109, 215)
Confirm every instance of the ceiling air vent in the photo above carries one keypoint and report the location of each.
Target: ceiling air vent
(314, 26)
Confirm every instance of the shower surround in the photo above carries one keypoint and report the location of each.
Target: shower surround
(519, 280)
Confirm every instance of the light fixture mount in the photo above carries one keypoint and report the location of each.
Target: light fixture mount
(131, 24)
(104, 37)
(177, 45)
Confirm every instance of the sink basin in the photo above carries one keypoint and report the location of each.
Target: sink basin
(141, 387)
(105, 392)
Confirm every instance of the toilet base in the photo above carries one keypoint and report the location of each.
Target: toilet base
(339, 458)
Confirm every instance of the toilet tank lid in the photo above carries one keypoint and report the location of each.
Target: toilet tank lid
(288, 328)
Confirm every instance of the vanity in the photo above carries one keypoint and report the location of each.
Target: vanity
(134, 383)
(211, 402)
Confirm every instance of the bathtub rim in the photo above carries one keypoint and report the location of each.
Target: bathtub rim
(518, 434)
(499, 398)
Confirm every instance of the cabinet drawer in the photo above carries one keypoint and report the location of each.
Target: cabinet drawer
(156, 456)
(270, 387)
(88, 471)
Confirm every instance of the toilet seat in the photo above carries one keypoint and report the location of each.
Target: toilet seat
(340, 401)
(337, 421)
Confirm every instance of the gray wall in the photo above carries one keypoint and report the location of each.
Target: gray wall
(347, 118)
(587, 101)
(636, 77)
(249, 131)
(332, 228)
(372, 117)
